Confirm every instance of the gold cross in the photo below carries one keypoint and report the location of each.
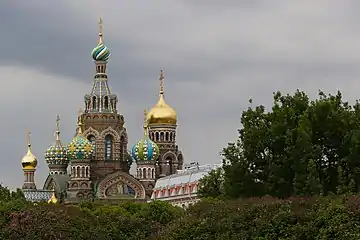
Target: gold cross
(57, 122)
(100, 26)
(161, 81)
(145, 114)
(28, 137)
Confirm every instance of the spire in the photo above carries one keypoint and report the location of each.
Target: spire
(100, 100)
(161, 79)
(57, 128)
(28, 140)
(100, 53)
(80, 122)
(100, 31)
(145, 123)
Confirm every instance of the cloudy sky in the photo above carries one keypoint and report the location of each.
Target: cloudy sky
(215, 56)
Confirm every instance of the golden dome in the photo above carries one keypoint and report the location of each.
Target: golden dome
(29, 161)
(53, 198)
(161, 113)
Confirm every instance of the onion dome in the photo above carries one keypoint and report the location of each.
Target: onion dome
(145, 149)
(100, 52)
(80, 148)
(57, 153)
(29, 161)
(161, 113)
(53, 198)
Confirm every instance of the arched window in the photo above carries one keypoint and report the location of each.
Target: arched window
(169, 164)
(108, 147)
(94, 103)
(91, 138)
(106, 102)
(162, 136)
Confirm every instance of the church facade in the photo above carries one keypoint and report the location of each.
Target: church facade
(96, 163)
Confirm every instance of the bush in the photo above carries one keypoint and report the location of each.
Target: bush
(334, 217)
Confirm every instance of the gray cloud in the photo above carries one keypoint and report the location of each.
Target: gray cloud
(215, 56)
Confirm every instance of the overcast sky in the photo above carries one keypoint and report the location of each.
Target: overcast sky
(215, 54)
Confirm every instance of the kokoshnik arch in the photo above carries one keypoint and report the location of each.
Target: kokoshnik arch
(96, 163)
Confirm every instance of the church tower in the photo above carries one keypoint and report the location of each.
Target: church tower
(103, 124)
(29, 163)
(146, 153)
(80, 151)
(162, 123)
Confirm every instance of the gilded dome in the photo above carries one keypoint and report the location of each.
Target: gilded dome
(57, 153)
(145, 149)
(161, 113)
(80, 147)
(53, 198)
(100, 52)
(29, 161)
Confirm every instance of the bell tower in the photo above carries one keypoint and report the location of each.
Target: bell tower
(162, 124)
(29, 163)
(103, 125)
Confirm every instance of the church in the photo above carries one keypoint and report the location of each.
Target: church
(96, 163)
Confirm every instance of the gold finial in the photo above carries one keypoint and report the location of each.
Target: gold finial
(57, 128)
(53, 198)
(28, 138)
(80, 122)
(145, 114)
(145, 122)
(161, 81)
(100, 30)
(57, 122)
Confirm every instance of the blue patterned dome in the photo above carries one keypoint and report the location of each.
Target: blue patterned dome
(57, 153)
(145, 149)
(80, 148)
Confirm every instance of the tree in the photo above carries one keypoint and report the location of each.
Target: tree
(211, 185)
(297, 148)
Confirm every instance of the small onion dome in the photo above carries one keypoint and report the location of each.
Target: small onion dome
(145, 149)
(29, 161)
(57, 153)
(53, 198)
(100, 52)
(80, 148)
(161, 113)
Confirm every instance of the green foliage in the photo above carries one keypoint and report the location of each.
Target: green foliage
(269, 218)
(332, 217)
(299, 147)
(211, 184)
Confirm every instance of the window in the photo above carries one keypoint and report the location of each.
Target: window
(94, 103)
(108, 147)
(91, 138)
(106, 102)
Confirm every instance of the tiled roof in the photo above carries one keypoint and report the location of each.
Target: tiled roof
(190, 175)
(37, 195)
